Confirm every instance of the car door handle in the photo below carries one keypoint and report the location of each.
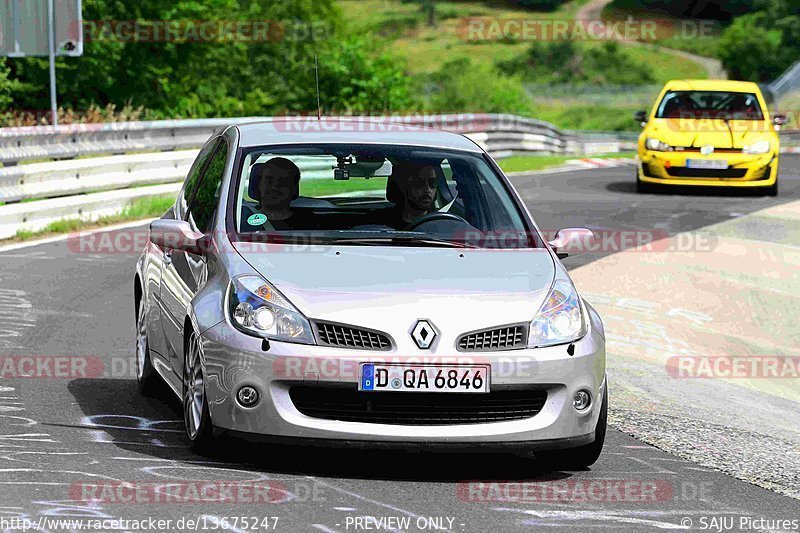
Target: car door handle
(168, 257)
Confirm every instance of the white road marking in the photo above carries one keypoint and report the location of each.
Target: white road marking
(360, 497)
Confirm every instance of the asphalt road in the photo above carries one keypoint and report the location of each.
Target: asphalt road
(60, 435)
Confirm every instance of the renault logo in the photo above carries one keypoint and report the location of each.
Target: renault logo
(707, 149)
(423, 334)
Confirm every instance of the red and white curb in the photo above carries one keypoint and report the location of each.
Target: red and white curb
(596, 162)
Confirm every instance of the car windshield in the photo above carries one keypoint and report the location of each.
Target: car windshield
(710, 104)
(375, 194)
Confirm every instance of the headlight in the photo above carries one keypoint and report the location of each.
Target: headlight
(256, 308)
(655, 144)
(560, 320)
(760, 147)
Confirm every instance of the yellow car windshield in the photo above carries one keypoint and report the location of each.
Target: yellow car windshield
(710, 104)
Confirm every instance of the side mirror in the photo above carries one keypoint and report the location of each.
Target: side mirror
(571, 242)
(640, 116)
(779, 120)
(176, 235)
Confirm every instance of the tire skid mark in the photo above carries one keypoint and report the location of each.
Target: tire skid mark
(16, 315)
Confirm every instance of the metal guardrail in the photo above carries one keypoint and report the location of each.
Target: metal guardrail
(77, 176)
(786, 82)
(132, 154)
(70, 141)
(38, 215)
(161, 152)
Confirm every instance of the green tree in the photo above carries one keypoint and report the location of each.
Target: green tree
(567, 62)
(761, 45)
(6, 86)
(538, 5)
(460, 85)
(223, 77)
(357, 77)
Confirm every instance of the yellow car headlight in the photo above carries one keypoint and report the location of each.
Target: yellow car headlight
(655, 144)
(760, 147)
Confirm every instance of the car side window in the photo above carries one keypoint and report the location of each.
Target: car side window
(192, 179)
(206, 198)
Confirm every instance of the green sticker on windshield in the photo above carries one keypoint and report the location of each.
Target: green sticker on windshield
(256, 219)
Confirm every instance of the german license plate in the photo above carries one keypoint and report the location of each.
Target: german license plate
(424, 378)
(714, 164)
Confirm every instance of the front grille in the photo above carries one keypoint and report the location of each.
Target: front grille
(416, 408)
(343, 336)
(716, 150)
(686, 172)
(502, 338)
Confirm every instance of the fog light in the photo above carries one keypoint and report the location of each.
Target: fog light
(582, 400)
(247, 396)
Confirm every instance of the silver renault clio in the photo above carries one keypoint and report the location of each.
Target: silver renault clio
(352, 282)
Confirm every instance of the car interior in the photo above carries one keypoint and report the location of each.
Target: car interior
(353, 191)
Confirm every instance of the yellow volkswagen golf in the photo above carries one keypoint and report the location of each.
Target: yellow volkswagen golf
(709, 133)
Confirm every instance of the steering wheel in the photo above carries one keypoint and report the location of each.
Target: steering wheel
(438, 215)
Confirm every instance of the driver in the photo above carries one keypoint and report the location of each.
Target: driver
(416, 184)
(278, 185)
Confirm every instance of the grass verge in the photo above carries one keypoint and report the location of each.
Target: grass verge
(140, 208)
(527, 163)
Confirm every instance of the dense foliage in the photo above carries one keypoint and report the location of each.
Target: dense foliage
(6, 85)
(567, 62)
(537, 5)
(759, 46)
(220, 76)
(697, 9)
(461, 85)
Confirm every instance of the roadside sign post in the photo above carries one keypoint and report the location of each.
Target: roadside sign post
(51, 28)
(51, 46)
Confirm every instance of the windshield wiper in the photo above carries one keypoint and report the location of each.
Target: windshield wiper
(403, 241)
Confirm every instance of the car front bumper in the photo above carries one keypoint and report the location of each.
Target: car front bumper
(233, 359)
(750, 170)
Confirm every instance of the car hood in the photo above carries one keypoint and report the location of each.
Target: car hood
(384, 287)
(700, 132)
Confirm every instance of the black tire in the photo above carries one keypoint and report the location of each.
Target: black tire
(772, 190)
(583, 456)
(642, 187)
(147, 379)
(196, 418)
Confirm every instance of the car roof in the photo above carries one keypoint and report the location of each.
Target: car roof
(307, 130)
(712, 85)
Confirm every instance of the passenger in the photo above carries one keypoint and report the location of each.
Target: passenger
(415, 193)
(278, 185)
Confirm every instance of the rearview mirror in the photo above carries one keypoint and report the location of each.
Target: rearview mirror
(640, 116)
(175, 235)
(778, 121)
(571, 242)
